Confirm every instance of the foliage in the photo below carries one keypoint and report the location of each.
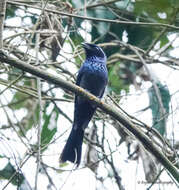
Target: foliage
(159, 123)
(128, 26)
(7, 173)
(49, 127)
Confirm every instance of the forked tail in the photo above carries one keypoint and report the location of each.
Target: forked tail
(73, 147)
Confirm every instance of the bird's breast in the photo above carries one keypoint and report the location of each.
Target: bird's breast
(94, 80)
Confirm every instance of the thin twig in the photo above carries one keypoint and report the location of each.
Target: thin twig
(100, 4)
(162, 32)
(40, 115)
(2, 16)
(48, 176)
(13, 127)
(15, 173)
(98, 19)
(158, 95)
(11, 83)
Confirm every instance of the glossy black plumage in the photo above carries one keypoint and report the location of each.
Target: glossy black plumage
(93, 77)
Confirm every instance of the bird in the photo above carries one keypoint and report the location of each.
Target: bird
(93, 77)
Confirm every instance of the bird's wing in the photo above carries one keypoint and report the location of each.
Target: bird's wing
(79, 76)
(101, 95)
(78, 81)
(81, 81)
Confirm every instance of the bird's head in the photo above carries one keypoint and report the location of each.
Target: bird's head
(93, 50)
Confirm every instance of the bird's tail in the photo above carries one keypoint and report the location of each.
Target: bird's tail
(73, 147)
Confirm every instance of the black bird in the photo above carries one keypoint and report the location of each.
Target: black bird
(93, 77)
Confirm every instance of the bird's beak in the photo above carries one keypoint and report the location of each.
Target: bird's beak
(85, 45)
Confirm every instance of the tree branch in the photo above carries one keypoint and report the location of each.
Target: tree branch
(126, 122)
(2, 15)
(96, 19)
(100, 4)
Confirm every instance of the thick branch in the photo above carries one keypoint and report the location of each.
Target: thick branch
(126, 122)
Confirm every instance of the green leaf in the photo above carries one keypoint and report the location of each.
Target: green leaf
(10, 11)
(158, 121)
(33, 118)
(49, 127)
(63, 165)
(77, 39)
(175, 3)
(18, 101)
(115, 82)
(151, 8)
(136, 36)
(163, 40)
(9, 171)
